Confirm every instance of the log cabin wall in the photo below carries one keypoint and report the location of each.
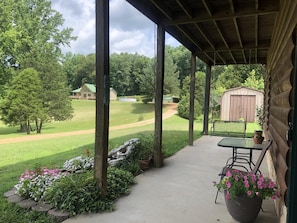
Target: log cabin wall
(278, 98)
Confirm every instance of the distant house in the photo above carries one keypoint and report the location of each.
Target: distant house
(241, 102)
(88, 92)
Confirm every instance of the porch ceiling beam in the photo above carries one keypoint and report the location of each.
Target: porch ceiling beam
(235, 49)
(209, 11)
(163, 8)
(190, 37)
(256, 29)
(237, 30)
(217, 17)
(185, 7)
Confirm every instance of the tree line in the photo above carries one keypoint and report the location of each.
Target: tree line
(36, 78)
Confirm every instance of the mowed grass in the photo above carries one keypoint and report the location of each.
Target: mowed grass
(50, 153)
(121, 113)
(15, 158)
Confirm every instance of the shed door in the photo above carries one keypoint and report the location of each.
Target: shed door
(242, 106)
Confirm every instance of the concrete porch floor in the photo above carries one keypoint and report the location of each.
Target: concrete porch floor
(181, 191)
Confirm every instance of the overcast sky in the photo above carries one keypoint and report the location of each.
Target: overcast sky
(130, 31)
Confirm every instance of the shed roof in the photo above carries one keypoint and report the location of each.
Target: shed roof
(243, 87)
(218, 32)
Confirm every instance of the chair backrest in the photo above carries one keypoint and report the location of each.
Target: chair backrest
(261, 157)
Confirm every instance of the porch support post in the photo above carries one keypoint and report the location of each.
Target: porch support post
(102, 94)
(292, 189)
(192, 99)
(158, 159)
(206, 99)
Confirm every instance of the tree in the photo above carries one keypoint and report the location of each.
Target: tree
(55, 93)
(184, 104)
(70, 64)
(29, 29)
(229, 78)
(182, 58)
(23, 103)
(36, 36)
(124, 71)
(85, 71)
(253, 82)
(147, 79)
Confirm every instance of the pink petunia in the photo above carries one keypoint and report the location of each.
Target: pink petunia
(249, 193)
(271, 184)
(228, 184)
(228, 174)
(274, 197)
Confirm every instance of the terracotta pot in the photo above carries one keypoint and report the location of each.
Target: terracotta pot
(258, 138)
(144, 164)
(243, 208)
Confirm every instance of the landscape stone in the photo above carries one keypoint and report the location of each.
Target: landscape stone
(10, 193)
(58, 215)
(28, 203)
(15, 198)
(42, 207)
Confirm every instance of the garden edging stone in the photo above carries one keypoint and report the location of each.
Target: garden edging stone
(12, 197)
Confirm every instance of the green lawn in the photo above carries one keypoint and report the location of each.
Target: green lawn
(84, 117)
(16, 157)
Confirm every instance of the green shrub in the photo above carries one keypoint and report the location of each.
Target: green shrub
(118, 182)
(78, 193)
(143, 150)
(183, 108)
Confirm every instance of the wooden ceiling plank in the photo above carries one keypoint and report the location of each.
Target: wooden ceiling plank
(243, 56)
(256, 30)
(209, 11)
(163, 9)
(190, 37)
(204, 35)
(207, 6)
(232, 6)
(185, 7)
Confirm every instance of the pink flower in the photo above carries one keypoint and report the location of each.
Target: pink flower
(274, 197)
(228, 174)
(228, 184)
(246, 184)
(271, 184)
(249, 193)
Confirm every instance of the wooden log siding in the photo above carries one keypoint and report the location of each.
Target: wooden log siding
(278, 90)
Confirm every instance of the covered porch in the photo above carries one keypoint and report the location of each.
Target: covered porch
(219, 33)
(181, 191)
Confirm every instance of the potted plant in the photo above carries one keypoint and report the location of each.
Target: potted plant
(144, 152)
(244, 192)
(258, 138)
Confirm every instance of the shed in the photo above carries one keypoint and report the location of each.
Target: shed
(241, 103)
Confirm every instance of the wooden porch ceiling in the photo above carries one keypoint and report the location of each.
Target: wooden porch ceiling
(217, 31)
